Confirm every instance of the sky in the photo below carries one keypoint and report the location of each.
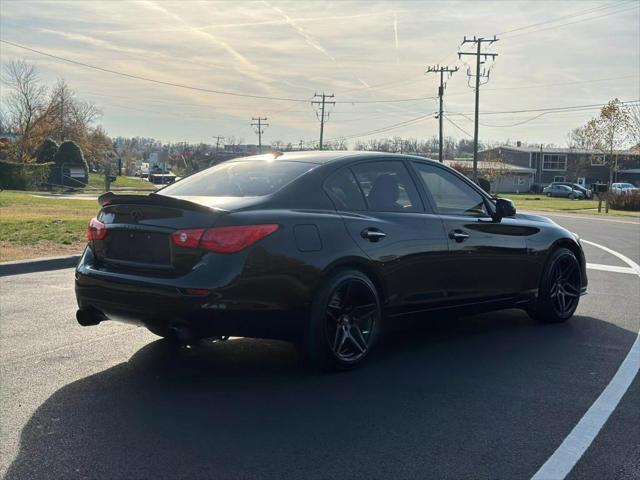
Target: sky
(550, 54)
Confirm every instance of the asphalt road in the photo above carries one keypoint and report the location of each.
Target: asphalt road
(489, 396)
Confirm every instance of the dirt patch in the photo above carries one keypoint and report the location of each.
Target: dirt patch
(12, 251)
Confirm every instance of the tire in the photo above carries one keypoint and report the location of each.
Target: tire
(548, 194)
(572, 196)
(336, 338)
(559, 290)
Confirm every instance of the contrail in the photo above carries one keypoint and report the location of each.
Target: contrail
(308, 38)
(395, 34)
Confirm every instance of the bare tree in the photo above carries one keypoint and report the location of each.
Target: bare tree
(610, 132)
(23, 105)
(634, 124)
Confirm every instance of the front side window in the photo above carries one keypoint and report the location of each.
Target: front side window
(344, 191)
(554, 162)
(387, 187)
(251, 178)
(451, 195)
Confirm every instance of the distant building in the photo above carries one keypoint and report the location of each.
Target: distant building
(553, 164)
(246, 149)
(508, 178)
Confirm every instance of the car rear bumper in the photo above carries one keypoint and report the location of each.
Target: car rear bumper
(162, 303)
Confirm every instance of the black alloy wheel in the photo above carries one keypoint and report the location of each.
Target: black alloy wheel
(559, 291)
(344, 322)
(565, 287)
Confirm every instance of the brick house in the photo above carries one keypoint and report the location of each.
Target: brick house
(567, 164)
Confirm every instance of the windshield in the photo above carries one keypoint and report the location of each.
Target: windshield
(251, 178)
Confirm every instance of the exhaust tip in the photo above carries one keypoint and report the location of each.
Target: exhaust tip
(89, 317)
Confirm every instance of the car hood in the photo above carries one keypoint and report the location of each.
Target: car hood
(533, 218)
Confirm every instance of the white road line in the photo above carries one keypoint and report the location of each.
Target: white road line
(627, 260)
(584, 433)
(611, 268)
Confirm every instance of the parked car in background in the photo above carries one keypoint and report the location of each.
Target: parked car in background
(623, 188)
(555, 190)
(588, 193)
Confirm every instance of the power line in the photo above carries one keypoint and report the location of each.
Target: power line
(575, 14)
(191, 87)
(387, 128)
(442, 70)
(571, 23)
(552, 109)
(458, 126)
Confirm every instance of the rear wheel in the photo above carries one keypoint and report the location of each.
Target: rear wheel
(559, 291)
(572, 196)
(344, 322)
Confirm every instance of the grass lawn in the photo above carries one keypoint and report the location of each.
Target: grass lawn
(528, 201)
(96, 181)
(40, 227)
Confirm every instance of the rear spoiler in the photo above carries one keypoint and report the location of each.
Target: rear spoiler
(110, 198)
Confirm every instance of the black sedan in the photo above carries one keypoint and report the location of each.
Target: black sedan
(323, 249)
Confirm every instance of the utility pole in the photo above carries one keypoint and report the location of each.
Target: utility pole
(258, 122)
(218, 138)
(324, 116)
(478, 54)
(442, 71)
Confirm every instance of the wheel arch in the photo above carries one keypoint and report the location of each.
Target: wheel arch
(362, 265)
(575, 248)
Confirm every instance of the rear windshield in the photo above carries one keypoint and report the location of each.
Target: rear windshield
(253, 178)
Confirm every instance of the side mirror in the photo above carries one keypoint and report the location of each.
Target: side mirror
(504, 208)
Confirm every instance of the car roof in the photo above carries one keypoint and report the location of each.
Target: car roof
(323, 157)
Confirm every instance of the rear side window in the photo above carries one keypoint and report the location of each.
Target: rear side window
(344, 191)
(387, 187)
(253, 178)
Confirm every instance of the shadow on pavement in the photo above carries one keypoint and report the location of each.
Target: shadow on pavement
(485, 396)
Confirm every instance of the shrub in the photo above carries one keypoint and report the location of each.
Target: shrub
(625, 201)
(47, 151)
(69, 155)
(23, 176)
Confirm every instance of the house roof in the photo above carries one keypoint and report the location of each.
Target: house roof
(485, 165)
(586, 151)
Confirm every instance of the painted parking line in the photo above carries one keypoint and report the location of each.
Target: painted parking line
(584, 433)
(611, 268)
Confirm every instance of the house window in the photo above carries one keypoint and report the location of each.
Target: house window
(519, 181)
(597, 160)
(554, 162)
(559, 178)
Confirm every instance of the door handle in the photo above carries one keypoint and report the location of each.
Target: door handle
(458, 235)
(372, 234)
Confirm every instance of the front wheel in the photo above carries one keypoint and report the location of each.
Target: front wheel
(548, 194)
(344, 322)
(559, 290)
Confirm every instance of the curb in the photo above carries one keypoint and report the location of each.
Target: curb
(38, 265)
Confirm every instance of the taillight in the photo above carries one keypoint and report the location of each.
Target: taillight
(222, 239)
(96, 230)
(187, 238)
